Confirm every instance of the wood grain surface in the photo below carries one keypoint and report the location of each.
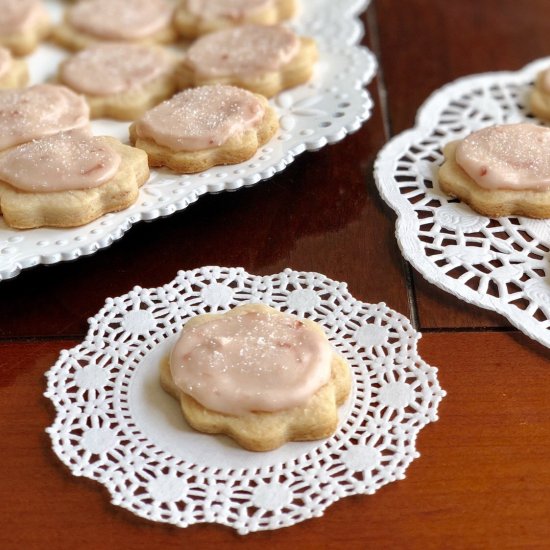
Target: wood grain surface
(321, 214)
(481, 482)
(483, 478)
(425, 44)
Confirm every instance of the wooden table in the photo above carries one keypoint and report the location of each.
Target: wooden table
(483, 480)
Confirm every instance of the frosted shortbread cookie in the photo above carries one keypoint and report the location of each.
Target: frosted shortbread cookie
(257, 375)
(196, 17)
(23, 24)
(264, 60)
(13, 72)
(39, 111)
(120, 81)
(204, 127)
(500, 171)
(68, 179)
(91, 21)
(539, 100)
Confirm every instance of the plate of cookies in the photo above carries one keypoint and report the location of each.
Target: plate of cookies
(470, 184)
(248, 401)
(128, 110)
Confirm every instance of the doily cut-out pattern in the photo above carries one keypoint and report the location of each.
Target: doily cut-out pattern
(498, 264)
(321, 112)
(116, 425)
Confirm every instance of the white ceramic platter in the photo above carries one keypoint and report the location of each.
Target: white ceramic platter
(333, 104)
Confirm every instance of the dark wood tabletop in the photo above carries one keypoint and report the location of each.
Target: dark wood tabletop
(483, 477)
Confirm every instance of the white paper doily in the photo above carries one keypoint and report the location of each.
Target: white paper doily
(323, 111)
(116, 425)
(498, 264)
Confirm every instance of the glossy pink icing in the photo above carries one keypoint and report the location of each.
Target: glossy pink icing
(62, 162)
(201, 118)
(235, 10)
(113, 68)
(19, 15)
(250, 362)
(245, 50)
(121, 19)
(6, 61)
(40, 110)
(509, 156)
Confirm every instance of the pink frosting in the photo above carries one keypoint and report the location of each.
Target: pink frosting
(38, 111)
(62, 162)
(201, 118)
(19, 15)
(510, 156)
(235, 10)
(113, 68)
(121, 19)
(252, 361)
(249, 49)
(6, 61)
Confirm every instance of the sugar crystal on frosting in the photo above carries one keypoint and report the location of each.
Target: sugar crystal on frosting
(112, 68)
(201, 118)
(37, 111)
(69, 160)
(508, 156)
(255, 361)
(248, 49)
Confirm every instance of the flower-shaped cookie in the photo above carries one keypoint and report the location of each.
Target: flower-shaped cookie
(257, 375)
(262, 59)
(120, 80)
(68, 179)
(39, 111)
(501, 170)
(91, 21)
(204, 127)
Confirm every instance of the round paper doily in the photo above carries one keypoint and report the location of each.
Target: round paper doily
(116, 425)
(498, 264)
(333, 104)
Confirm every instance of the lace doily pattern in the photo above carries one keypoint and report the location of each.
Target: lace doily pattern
(115, 424)
(324, 111)
(498, 264)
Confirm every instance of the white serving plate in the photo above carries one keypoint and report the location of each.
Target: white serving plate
(333, 104)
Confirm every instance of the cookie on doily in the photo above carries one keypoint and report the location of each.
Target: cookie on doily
(197, 17)
(262, 59)
(120, 81)
(91, 21)
(13, 72)
(258, 375)
(68, 179)
(501, 170)
(23, 24)
(204, 127)
(38, 111)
